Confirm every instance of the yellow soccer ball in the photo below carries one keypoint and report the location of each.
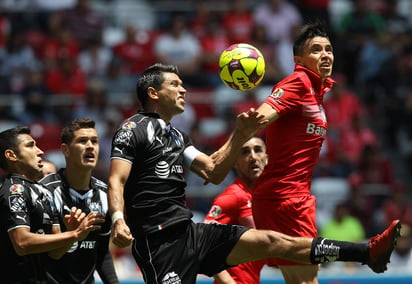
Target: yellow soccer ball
(242, 66)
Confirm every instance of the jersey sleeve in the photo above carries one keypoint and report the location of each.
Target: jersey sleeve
(124, 144)
(19, 200)
(224, 209)
(286, 95)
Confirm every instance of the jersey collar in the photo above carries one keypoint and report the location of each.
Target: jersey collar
(315, 79)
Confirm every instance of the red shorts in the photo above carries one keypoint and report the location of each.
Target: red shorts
(293, 216)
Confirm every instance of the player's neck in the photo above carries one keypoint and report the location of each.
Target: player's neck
(76, 179)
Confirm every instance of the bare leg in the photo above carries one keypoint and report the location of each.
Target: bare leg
(260, 244)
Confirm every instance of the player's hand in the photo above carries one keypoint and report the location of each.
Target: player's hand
(250, 122)
(90, 223)
(121, 235)
(73, 218)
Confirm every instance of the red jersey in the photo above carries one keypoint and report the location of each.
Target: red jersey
(137, 55)
(294, 140)
(238, 26)
(227, 208)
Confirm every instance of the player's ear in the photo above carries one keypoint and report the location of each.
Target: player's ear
(152, 93)
(297, 59)
(10, 155)
(64, 148)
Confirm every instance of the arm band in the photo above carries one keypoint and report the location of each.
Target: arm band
(116, 216)
(190, 154)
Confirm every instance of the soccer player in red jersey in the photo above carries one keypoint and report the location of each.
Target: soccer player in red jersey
(282, 199)
(233, 206)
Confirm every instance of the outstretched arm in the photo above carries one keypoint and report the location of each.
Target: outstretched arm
(214, 168)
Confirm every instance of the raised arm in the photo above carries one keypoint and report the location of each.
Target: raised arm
(214, 168)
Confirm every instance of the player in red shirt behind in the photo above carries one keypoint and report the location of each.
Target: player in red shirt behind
(234, 206)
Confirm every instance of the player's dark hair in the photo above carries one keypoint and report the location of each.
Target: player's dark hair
(152, 77)
(67, 135)
(9, 141)
(308, 31)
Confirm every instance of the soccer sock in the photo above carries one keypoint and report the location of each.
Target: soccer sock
(325, 250)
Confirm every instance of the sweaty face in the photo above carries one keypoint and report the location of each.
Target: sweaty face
(29, 157)
(83, 151)
(252, 160)
(318, 56)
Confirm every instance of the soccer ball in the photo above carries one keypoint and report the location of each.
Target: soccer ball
(242, 66)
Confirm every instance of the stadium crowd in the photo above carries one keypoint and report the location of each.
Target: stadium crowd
(61, 60)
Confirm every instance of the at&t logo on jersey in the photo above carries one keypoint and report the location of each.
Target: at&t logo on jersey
(88, 244)
(163, 170)
(171, 278)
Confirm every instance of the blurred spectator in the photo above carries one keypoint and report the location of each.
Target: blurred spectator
(84, 22)
(198, 22)
(17, 60)
(398, 206)
(341, 105)
(66, 78)
(119, 85)
(404, 128)
(14, 5)
(96, 107)
(213, 42)
(178, 46)
(53, 5)
(136, 50)
(395, 22)
(357, 27)
(273, 71)
(374, 53)
(343, 226)
(372, 183)
(282, 20)
(60, 43)
(401, 258)
(279, 17)
(373, 168)
(353, 140)
(313, 10)
(238, 22)
(5, 28)
(94, 58)
(36, 98)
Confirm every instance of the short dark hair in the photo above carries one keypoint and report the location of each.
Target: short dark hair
(307, 32)
(67, 135)
(152, 77)
(9, 141)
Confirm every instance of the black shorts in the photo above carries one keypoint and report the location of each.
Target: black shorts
(181, 252)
